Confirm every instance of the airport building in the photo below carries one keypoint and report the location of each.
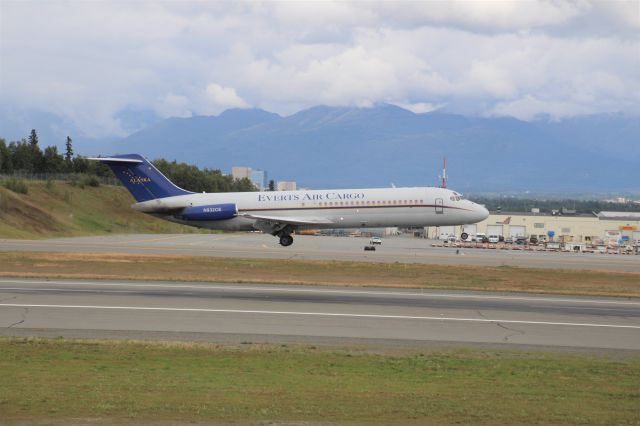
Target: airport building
(257, 177)
(241, 172)
(286, 186)
(598, 228)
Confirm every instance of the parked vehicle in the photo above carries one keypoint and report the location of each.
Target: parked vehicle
(481, 238)
(494, 238)
(533, 240)
(375, 240)
(521, 241)
(509, 240)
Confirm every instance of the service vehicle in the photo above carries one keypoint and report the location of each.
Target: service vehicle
(375, 240)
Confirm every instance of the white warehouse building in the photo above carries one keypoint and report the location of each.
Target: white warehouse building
(602, 226)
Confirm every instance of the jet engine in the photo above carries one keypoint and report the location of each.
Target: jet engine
(210, 212)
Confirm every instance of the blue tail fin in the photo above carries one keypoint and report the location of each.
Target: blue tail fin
(141, 178)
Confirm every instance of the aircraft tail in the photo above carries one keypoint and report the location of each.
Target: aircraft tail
(141, 178)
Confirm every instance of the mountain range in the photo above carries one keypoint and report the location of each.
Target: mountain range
(366, 147)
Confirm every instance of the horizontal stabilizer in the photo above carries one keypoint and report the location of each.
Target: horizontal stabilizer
(115, 160)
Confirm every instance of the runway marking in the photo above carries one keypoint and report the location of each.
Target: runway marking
(322, 291)
(319, 314)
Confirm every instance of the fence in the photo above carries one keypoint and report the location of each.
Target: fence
(66, 177)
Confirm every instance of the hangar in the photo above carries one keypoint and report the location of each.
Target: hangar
(604, 227)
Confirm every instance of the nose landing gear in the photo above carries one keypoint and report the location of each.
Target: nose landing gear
(286, 240)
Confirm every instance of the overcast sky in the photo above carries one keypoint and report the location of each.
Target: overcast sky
(86, 61)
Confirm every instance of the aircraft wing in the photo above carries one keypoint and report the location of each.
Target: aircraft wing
(289, 220)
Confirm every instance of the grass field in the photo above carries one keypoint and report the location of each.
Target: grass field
(58, 209)
(125, 381)
(210, 269)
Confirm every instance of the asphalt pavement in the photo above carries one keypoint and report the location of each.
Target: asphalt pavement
(255, 245)
(266, 313)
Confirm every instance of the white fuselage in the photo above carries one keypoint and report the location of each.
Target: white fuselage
(331, 208)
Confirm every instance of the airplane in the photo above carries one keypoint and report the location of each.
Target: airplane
(281, 213)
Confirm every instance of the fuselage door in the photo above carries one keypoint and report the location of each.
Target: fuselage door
(439, 206)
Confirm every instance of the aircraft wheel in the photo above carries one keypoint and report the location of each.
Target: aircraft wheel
(286, 240)
(464, 236)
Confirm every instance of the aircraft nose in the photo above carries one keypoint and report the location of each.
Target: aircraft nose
(483, 212)
(480, 213)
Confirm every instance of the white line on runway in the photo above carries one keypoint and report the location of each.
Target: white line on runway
(319, 314)
(325, 291)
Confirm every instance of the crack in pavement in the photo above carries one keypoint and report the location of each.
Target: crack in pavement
(24, 317)
(515, 332)
(504, 327)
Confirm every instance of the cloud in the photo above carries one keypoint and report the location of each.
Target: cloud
(86, 61)
(225, 97)
(419, 107)
(172, 105)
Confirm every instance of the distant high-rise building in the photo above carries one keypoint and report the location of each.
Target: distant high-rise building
(259, 179)
(241, 172)
(286, 186)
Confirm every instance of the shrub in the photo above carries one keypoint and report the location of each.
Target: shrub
(16, 185)
(90, 181)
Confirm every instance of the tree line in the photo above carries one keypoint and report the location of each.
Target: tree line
(548, 206)
(26, 156)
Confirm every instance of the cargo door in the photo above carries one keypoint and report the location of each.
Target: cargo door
(516, 231)
(494, 230)
(439, 206)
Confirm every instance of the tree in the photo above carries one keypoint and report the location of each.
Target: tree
(52, 162)
(191, 178)
(80, 165)
(6, 163)
(22, 155)
(272, 185)
(244, 185)
(68, 155)
(33, 138)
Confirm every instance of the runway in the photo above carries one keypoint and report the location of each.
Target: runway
(215, 312)
(252, 245)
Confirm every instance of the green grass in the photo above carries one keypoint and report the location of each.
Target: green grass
(60, 379)
(321, 272)
(60, 209)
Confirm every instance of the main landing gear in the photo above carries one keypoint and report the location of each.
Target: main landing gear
(286, 240)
